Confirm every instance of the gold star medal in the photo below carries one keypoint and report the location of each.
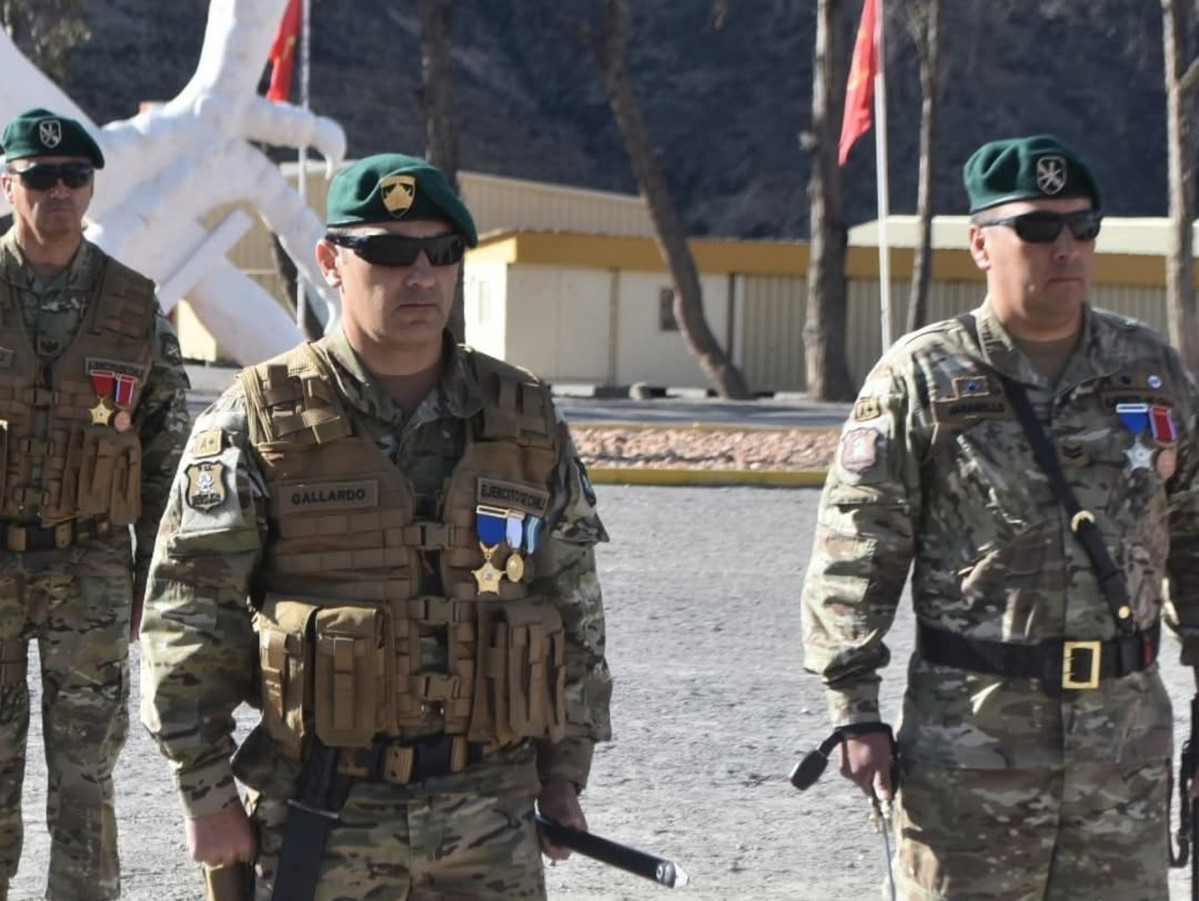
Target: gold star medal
(490, 527)
(101, 412)
(487, 575)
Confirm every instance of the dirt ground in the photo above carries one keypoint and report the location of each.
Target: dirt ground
(699, 448)
(710, 711)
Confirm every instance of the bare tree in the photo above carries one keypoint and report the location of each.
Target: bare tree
(436, 99)
(45, 31)
(824, 329)
(924, 24)
(608, 43)
(1180, 259)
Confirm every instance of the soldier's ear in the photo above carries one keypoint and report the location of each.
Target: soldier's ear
(978, 247)
(329, 259)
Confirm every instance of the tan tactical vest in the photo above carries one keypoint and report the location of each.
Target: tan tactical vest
(88, 470)
(341, 615)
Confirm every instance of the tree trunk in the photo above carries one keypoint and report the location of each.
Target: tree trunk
(1180, 285)
(825, 326)
(928, 44)
(609, 49)
(437, 103)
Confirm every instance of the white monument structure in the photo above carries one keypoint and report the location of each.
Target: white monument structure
(170, 166)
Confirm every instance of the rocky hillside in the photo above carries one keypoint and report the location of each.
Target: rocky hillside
(726, 107)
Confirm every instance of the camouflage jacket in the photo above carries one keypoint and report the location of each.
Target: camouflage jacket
(52, 311)
(934, 473)
(200, 656)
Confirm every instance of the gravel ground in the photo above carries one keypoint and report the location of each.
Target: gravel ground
(698, 448)
(711, 710)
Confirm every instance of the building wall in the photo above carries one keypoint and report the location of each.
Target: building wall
(647, 353)
(559, 322)
(485, 307)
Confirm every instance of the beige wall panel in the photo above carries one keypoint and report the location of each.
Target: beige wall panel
(507, 203)
(771, 312)
(558, 322)
(645, 353)
(485, 307)
(1146, 304)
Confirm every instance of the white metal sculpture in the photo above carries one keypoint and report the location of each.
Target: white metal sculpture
(170, 166)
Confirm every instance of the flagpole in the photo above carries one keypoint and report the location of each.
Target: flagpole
(302, 178)
(880, 164)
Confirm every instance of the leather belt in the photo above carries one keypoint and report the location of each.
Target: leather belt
(411, 761)
(21, 538)
(1059, 663)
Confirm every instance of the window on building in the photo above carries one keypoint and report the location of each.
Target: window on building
(666, 320)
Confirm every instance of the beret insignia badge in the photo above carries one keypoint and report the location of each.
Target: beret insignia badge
(398, 193)
(1051, 174)
(49, 132)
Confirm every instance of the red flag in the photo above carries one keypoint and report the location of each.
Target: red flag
(859, 92)
(283, 53)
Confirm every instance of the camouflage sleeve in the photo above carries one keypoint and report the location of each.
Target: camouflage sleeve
(1182, 611)
(862, 548)
(566, 572)
(163, 422)
(199, 652)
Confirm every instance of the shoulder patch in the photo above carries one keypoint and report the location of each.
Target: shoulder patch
(206, 488)
(859, 449)
(866, 408)
(208, 443)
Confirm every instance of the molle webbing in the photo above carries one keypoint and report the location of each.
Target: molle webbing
(297, 398)
(128, 306)
(519, 407)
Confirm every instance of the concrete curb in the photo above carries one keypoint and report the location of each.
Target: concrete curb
(777, 478)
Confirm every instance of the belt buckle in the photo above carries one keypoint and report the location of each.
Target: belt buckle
(1095, 648)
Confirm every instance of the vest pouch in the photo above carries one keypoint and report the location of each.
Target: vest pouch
(520, 675)
(285, 655)
(110, 476)
(352, 693)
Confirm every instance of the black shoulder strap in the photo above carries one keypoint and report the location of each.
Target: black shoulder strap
(1082, 522)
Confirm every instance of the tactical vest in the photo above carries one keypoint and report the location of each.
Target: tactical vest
(88, 470)
(340, 611)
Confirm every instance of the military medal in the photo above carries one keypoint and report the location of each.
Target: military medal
(101, 412)
(514, 534)
(491, 525)
(1139, 456)
(1135, 418)
(1167, 462)
(122, 422)
(533, 527)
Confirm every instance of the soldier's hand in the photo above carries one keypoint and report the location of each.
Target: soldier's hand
(559, 801)
(866, 761)
(221, 838)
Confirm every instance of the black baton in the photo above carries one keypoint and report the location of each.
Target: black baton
(639, 863)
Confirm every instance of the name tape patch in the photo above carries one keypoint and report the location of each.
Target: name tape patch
(514, 496)
(309, 496)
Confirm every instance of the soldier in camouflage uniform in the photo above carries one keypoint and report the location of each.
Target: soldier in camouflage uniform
(385, 541)
(92, 421)
(1036, 732)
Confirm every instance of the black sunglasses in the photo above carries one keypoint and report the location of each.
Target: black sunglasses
(1043, 226)
(44, 176)
(400, 250)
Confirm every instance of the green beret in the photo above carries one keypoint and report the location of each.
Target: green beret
(39, 132)
(393, 187)
(1028, 168)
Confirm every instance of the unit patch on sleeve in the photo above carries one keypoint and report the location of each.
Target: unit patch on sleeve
(859, 449)
(206, 485)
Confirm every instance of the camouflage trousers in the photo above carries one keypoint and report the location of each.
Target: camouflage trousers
(77, 611)
(1075, 834)
(436, 848)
